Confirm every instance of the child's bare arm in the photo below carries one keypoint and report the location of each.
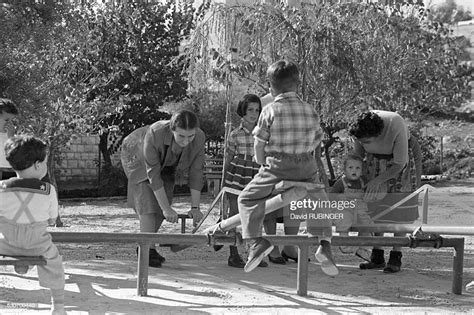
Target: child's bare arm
(52, 221)
(259, 147)
(53, 207)
(230, 151)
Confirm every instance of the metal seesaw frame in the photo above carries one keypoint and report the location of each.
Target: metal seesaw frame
(144, 241)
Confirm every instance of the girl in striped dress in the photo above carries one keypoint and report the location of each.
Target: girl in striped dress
(240, 166)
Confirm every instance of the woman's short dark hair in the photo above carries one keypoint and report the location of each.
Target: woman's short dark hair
(23, 151)
(367, 125)
(184, 119)
(244, 104)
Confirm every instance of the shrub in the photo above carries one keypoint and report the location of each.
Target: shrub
(462, 168)
(431, 167)
(112, 182)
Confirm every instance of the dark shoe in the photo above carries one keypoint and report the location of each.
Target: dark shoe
(263, 264)
(324, 256)
(154, 259)
(394, 262)
(377, 260)
(372, 265)
(236, 261)
(277, 260)
(217, 247)
(154, 263)
(259, 248)
(155, 255)
(287, 258)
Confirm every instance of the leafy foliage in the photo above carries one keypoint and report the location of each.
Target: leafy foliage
(133, 48)
(34, 43)
(352, 57)
(113, 181)
(82, 68)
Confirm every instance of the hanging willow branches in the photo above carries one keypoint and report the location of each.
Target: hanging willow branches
(352, 56)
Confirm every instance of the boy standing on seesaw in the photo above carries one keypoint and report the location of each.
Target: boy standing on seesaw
(287, 133)
(28, 206)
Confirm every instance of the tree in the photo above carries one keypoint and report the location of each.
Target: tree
(352, 57)
(74, 68)
(34, 46)
(134, 46)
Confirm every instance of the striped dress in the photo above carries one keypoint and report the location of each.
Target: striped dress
(242, 168)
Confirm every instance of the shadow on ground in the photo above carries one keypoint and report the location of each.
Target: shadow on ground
(191, 287)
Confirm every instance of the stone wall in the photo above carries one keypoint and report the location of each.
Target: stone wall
(80, 167)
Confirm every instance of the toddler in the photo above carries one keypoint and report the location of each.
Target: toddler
(351, 187)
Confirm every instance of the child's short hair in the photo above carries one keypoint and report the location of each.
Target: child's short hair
(7, 106)
(283, 75)
(184, 119)
(23, 151)
(352, 156)
(244, 104)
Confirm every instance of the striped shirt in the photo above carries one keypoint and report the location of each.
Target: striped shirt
(289, 125)
(241, 141)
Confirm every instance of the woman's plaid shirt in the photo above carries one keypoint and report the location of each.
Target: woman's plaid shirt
(289, 125)
(241, 141)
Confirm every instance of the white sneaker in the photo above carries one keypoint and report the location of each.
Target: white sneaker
(258, 249)
(324, 256)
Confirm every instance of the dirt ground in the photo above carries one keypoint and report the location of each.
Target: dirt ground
(101, 278)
